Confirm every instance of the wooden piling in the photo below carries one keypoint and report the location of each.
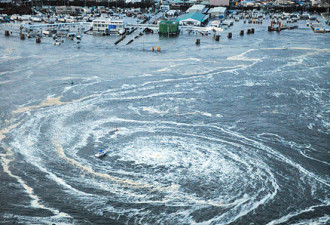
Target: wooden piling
(130, 42)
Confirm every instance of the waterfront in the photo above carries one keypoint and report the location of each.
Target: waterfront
(229, 132)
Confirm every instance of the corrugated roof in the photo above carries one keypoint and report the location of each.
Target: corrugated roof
(195, 16)
(197, 7)
(218, 10)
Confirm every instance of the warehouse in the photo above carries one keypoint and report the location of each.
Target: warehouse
(218, 12)
(194, 19)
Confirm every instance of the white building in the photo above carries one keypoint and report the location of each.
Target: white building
(164, 8)
(217, 12)
(197, 8)
(316, 2)
(107, 25)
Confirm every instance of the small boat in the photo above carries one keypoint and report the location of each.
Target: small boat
(57, 42)
(100, 154)
(228, 23)
(71, 36)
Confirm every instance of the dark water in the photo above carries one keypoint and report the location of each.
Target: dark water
(235, 132)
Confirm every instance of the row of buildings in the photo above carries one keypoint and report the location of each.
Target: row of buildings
(251, 3)
(163, 2)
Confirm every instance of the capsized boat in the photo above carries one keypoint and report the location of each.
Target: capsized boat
(100, 154)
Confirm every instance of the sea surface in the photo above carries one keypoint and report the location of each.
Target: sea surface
(229, 132)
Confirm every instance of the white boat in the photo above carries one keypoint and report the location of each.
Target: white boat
(228, 23)
(14, 17)
(305, 16)
(215, 23)
(36, 19)
(52, 19)
(57, 42)
(100, 154)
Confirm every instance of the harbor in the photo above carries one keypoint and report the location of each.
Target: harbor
(219, 120)
(198, 19)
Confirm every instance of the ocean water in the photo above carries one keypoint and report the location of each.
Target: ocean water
(229, 132)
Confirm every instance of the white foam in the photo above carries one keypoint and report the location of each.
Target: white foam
(287, 217)
(165, 69)
(35, 200)
(154, 111)
(315, 221)
(242, 56)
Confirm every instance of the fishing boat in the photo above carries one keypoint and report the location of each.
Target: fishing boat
(100, 154)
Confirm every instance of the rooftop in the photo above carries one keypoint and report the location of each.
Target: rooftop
(195, 16)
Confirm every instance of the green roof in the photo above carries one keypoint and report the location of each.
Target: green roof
(195, 16)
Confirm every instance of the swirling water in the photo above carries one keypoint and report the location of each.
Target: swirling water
(235, 132)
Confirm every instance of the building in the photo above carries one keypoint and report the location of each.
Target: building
(70, 10)
(172, 12)
(219, 2)
(168, 28)
(106, 26)
(194, 19)
(164, 8)
(132, 1)
(176, 4)
(217, 12)
(197, 8)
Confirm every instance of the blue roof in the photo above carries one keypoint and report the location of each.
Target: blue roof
(195, 16)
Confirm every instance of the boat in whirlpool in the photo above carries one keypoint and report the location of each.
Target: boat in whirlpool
(100, 154)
